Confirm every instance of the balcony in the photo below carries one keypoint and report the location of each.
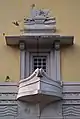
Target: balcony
(39, 88)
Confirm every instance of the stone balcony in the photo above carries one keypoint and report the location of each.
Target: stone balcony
(39, 88)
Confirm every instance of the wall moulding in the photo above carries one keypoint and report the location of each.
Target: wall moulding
(71, 110)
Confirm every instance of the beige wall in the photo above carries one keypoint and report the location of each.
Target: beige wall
(67, 13)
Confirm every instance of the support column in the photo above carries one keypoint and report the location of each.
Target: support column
(52, 65)
(57, 72)
(22, 60)
(27, 64)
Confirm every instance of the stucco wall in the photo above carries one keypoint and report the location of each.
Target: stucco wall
(68, 22)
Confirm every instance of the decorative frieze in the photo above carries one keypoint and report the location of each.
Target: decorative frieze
(71, 101)
(8, 110)
(71, 95)
(71, 110)
(6, 102)
(8, 96)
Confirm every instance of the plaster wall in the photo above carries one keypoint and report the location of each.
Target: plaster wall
(68, 22)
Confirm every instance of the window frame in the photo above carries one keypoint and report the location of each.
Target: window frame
(54, 67)
(32, 54)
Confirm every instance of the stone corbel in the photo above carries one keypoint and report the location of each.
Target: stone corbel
(22, 45)
(57, 45)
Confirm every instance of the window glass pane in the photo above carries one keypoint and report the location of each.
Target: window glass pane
(39, 62)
